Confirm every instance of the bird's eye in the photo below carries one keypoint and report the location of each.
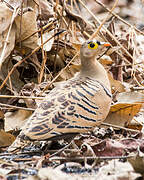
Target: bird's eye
(92, 45)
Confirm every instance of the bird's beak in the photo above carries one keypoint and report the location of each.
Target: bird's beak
(107, 44)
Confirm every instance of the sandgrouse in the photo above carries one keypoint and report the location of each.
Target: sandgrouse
(75, 106)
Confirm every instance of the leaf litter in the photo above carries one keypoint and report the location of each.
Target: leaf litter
(39, 48)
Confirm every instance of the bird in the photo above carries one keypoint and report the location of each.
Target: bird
(74, 106)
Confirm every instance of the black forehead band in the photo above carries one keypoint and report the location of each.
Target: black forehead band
(98, 42)
(90, 42)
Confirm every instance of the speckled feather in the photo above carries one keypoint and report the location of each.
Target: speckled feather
(76, 106)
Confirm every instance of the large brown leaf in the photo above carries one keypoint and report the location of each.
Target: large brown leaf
(128, 105)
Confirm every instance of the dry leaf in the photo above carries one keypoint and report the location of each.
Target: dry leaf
(117, 166)
(4, 171)
(121, 114)
(6, 139)
(128, 105)
(116, 86)
(117, 170)
(69, 72)
(46, 10)
(105, 60)
(10, 45)
(113, 147)
(87, 150)
(131, 97)
(15, 120)
(77, 46)
(137, 163)
(46, 36)
(1, 114)
(14, 3)
(50, 173)
(25, 28)
(14, 80)
(5, 17)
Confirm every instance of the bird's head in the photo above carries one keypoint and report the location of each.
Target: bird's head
(92, 48)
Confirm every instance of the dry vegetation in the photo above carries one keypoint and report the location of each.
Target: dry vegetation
(39, 47)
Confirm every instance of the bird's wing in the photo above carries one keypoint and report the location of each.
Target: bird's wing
(73, 108)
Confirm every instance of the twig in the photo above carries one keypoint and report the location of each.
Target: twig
(21, 97)
(120, 127)
(16, 107)
(21, 153)
(81, 159)
(137, 88)
(44, 59)
(59, 151)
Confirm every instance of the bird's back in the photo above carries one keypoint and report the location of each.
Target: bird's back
(76, 107)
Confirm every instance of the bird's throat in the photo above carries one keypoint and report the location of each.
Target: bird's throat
(92, 68)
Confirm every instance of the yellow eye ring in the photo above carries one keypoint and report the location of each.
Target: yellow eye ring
(92, 45)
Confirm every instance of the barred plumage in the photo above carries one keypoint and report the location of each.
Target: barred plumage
(75, 106)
